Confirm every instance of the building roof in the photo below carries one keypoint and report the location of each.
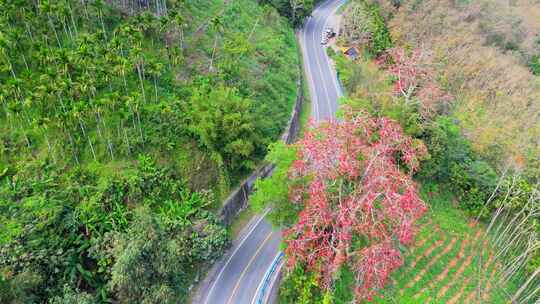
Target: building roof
(350, 51)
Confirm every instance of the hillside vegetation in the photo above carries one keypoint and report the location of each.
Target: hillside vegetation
(485, 54)
(122, 126)
(410, 83)
(455, 258)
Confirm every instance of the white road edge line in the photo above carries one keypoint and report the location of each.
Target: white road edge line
(232, 255)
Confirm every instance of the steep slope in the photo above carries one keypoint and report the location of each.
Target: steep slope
(484, 53)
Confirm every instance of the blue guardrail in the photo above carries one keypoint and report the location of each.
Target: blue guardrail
(267, 276)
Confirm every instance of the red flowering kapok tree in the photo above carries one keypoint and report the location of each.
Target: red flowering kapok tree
(415, 78)
(358, 205)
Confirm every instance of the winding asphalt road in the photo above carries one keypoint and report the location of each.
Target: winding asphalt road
(240, 278)
(323, 84)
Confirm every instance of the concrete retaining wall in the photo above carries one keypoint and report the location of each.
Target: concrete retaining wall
(238, 199)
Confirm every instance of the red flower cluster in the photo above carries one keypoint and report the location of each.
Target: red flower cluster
(358, 204)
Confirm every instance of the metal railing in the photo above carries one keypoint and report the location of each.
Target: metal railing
(267, 276)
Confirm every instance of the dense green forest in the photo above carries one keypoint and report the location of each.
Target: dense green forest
(123, 124)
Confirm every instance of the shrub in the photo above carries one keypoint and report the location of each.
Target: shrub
(274, 189)
(368, 87)
(71, 296)
(91, 218)
(19, 288)
(473, 182)
(381, 39)
(454, 164)
(535, 65)
(330, 52)
(363, 23)
(300, 287)
(343, 287)
(295, 11)
(224, 123)
(155, 264)
(347, 72)
(447, 147)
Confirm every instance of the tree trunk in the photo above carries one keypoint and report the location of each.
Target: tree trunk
(155, 89)
(211, 67)
(139, 72)
(54, 30)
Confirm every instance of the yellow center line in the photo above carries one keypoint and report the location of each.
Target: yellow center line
(247, 267)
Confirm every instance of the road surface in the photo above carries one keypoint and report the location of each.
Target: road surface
(322, 80)
(239, 278)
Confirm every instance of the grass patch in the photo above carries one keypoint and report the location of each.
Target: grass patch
(305, 112)
(241, 221)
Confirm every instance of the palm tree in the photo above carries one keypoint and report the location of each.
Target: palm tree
(139, 65)
(5, 45)
(99, 104)
(161, 7)
(99, 5)
(154, 69)
(217, 26)
(133, 37)
(123, 112)
(62, 122)
(63, 14)
(4, 99)
(78, 113)
(133, 103)
(174, 20)
(49, 8)
(73, 23)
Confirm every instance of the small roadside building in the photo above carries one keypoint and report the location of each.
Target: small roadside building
(350, 51)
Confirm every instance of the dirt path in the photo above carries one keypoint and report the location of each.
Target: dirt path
(451, 265)
(458, 274)
(486, 291)
(434, 230)
(459, 294)
(427, 252)
(433, 260)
